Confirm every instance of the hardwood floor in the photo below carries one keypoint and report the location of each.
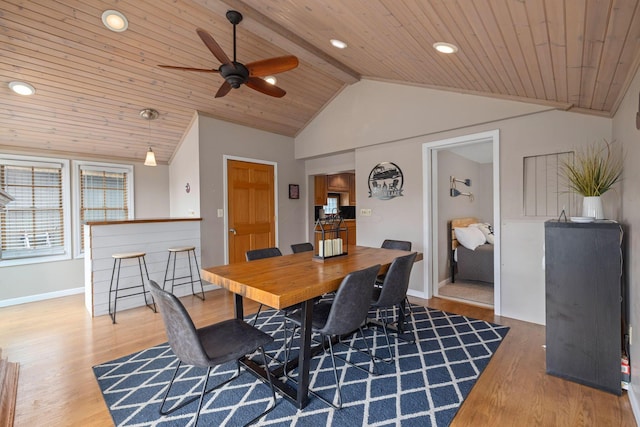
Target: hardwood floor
(56, 343)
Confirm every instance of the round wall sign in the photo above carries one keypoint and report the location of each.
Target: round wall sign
(385, 181)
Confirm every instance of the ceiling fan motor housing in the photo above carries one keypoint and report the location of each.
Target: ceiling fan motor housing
(234, 76)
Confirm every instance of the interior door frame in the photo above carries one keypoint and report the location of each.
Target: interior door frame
(431, 188)
(225, 161)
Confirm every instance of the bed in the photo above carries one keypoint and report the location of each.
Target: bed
(465, 263)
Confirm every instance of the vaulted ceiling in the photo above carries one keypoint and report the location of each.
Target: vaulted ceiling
(92, 82)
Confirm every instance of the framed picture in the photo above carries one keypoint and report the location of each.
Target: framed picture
(294, 191)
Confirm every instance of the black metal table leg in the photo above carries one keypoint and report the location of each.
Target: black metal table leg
(304, 356)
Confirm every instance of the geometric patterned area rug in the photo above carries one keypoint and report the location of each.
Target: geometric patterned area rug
(424, 386)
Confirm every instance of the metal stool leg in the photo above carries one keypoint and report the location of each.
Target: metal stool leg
(115, 300)
(144, 288)
(195, 259)
(166, 271)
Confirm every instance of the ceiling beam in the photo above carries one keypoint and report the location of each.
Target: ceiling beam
(267, 29)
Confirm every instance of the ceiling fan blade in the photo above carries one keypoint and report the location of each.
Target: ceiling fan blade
(203, 70)
(213, 46)
(260, 85)
(272, 66)
(224, 89)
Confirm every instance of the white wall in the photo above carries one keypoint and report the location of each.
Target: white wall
(217, 139)
(371, 112)
(19, 284)
(525, 130)
(185, 169)
(625, 133)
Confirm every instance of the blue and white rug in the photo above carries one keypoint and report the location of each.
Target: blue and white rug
(424, 386)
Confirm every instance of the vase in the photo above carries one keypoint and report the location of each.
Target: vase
(592, 207)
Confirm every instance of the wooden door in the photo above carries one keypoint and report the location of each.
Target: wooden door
(251, 207)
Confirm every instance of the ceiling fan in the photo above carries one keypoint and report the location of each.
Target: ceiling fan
(235, 73)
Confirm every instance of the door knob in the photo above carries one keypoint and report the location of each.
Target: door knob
(232, 230)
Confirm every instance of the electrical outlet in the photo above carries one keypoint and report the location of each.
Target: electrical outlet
(365, 212)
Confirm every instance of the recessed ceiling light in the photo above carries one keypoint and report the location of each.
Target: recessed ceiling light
(338, 43)
(271, 80)
(114, 20)
(22, 88)
(445, 47)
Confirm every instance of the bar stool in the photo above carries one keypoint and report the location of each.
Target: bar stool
(117, 261)
(190, 250)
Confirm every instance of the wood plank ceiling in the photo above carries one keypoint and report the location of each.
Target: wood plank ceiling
(91, 82)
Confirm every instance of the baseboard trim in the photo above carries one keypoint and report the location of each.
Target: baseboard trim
(41, 297)
(417, 294)
(635, 404)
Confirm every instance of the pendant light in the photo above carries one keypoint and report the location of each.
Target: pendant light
(149, 114)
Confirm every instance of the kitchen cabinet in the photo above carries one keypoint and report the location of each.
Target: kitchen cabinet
(320, 190)
(338, 182)
(584, 302)
(352, 189)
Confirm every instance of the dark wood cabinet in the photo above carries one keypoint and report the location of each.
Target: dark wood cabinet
(320, 190)
(338, 183)
(352, 189)
(584, 300)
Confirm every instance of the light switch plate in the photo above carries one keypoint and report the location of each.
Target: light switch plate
(220, 213)
(365, 212)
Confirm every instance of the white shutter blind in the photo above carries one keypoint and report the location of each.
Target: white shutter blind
(103, 195)
(33, 224)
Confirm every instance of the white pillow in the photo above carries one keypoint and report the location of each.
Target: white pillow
(470, 237)
(486, 230)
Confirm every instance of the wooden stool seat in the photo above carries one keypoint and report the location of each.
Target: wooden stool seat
(117, 262)
(182, 249)
(128, 255)
(191, 251)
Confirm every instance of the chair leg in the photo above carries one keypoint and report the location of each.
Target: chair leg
(335, 376)
(255, 319)
(193, 399)
(273, 391)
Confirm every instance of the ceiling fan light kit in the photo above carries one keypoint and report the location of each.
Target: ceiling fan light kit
(236, 74)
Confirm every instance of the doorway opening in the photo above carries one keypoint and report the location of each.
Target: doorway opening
(446, 163)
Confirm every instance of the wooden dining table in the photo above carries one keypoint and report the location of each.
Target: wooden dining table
(284, 281)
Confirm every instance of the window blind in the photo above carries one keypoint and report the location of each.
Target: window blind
(33, 224)
(103, 195)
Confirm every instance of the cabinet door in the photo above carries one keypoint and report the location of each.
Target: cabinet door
(583, 309)
(320, 190)
(352, 189)
(338, 182)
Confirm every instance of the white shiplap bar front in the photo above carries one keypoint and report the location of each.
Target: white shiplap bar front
(152, 236)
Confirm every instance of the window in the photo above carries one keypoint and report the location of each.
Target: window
(104, 193)
(545, 193)
(332, 204)
(35, 226)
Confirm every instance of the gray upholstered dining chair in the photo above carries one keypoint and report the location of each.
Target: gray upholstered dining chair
(301, 247)
(207, 347)
(261, 253)
(393, 292)
(402, 245)
(344, 315)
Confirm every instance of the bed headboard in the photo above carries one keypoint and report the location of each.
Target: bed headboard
(459, 222)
